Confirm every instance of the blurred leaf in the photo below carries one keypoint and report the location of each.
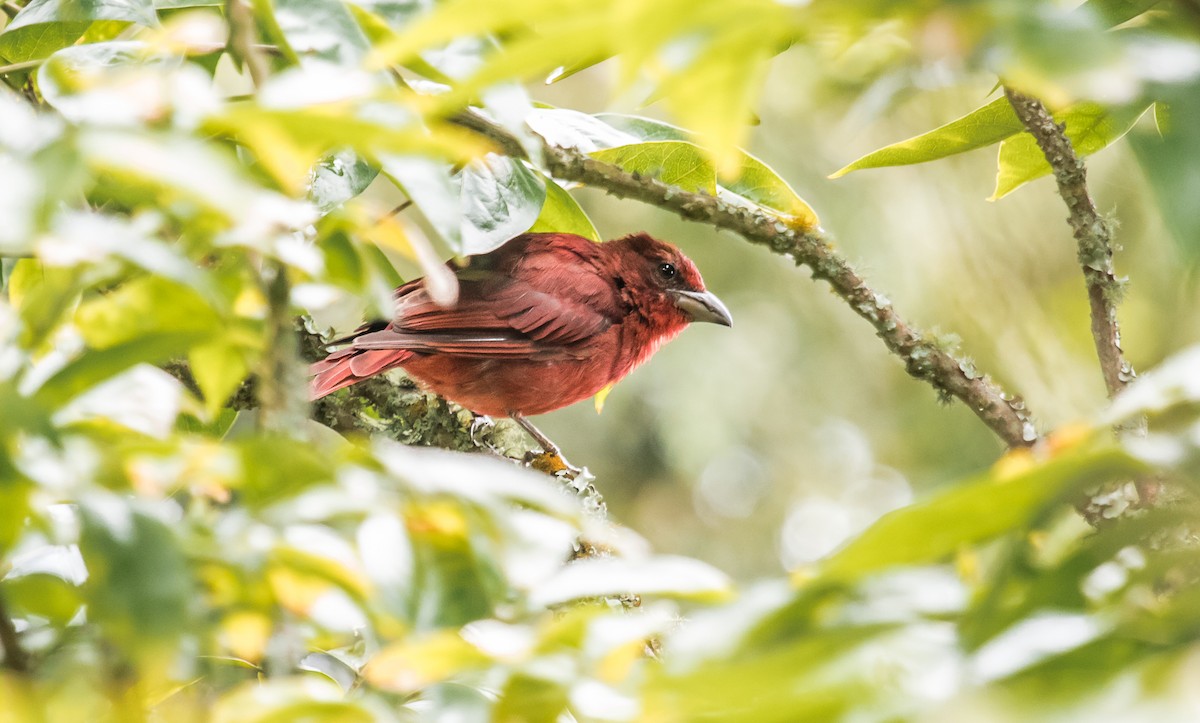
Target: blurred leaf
(501, 198)
(1171, 163)
(176, 4)
(529, 699)
(43, 295)
(454, 581)
(1020, 587)
(715, 95)
(139, 588)
(321, 29)
(434, 190)
(562, 213)
(14, 491)
(44, 26)
(981, 127)
(276, 468)
(219, 368)
(412, 665)
(44, 595)
(289, 142)
(708, 60)
(780, 685)
(176, 171)
(677, 163)
(972, 512)
(142, 306)
(309, 699)
(1090, 127)
(665, 575)
(1116, 12)
(96, 366)
(338, 178)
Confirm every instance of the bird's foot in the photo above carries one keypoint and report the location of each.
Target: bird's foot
(481, 430)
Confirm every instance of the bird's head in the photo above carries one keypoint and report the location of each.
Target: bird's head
(665, 283)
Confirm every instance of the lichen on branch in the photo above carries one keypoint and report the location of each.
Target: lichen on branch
(1093, 235)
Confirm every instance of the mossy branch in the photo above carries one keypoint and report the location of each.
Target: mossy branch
(1093, 235)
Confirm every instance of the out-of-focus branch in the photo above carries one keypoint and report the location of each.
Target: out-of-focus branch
(242, 37)
(15, 657)
(923, 357)
(1093, 235)
(281, 385)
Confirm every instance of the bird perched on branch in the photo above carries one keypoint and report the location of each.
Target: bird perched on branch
(542, 322)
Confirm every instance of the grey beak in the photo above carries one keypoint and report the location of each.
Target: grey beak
(702, 306)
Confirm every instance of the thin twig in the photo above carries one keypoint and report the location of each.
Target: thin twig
(1093, 235)
(15, 657)
(242, 37)
(18, 67)
(923, 357)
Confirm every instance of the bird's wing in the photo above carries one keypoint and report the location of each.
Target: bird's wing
(543, 317)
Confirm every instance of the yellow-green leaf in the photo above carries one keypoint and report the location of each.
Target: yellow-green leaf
(981, 127)
(978, 510)
(678, 163)
(562, 213)
(1091, 127)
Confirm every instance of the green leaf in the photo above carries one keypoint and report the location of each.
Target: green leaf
(528, 699)
(338, 178)
(562, 213)
(14, 491)
(139, 588)
(501, 198)
(664, 575)
(678, 163)
(454, 581)
(43, 295)
(979, 510)
(44, 26)
(1091, 127)
(97, 366)
(45, 595)
(323, 29)
(219, 368)
(981, 127)
(713, 98)
(1115, 12)
(166, 170)
(1169, 160)
(755, 181)
(145, 305)
(435, 191)
(307, 699)
(276, 468)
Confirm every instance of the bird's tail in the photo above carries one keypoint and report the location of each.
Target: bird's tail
(350, 366)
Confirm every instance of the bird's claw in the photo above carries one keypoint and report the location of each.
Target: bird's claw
(480, 432)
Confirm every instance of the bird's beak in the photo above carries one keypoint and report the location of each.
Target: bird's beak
(702, 306)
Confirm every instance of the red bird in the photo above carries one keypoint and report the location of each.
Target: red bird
(544, 321)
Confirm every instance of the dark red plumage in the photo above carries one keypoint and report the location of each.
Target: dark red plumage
(544, 321)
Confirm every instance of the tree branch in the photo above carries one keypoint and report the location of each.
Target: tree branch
(15, 657)
(1093, 235)
(242, 36)
(923, 357)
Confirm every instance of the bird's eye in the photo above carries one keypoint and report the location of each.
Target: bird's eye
(667, 271)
